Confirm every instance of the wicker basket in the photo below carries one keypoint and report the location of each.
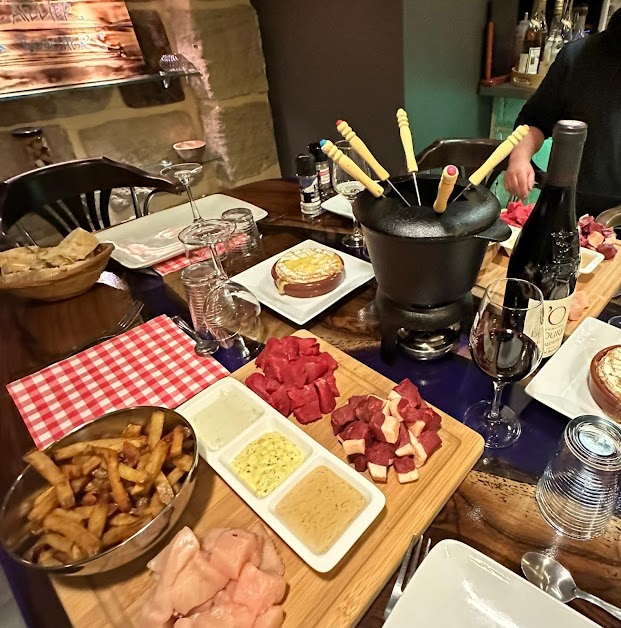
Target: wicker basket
(65, 285)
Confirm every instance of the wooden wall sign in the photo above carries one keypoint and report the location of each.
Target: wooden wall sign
(47, 43)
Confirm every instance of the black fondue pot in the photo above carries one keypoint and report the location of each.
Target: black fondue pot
(422, 259)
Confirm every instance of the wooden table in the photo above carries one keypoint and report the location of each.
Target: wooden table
(494, 508)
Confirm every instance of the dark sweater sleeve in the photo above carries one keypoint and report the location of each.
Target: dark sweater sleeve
(547, 105)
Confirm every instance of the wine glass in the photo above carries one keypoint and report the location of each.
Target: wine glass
(186, 174)
(506, 342)
(349, 188)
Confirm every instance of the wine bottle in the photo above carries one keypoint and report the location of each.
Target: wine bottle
(547, 252)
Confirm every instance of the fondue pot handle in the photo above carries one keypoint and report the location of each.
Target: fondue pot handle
(361, 148)
(445, 188)
(504, 150)
(406, 140)
(351, 168)
(498, 232)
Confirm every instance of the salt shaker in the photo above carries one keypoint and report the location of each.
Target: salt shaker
(310, 199)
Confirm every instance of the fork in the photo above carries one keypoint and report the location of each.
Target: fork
(403, 578)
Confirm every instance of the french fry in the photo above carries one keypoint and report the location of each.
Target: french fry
(57, 542)
(64, 453)
(123, 519)
(90, 464)
(97, 520)
(176, 487)
(44, 495)
(118, 534)
(176, 445)
(47, 559)
(138, 476)
(76, 553)
(68, 514)
(156, 460)
(71, 471)
(46, 467)
(183, 462)
(132, 430)
(83, 511)
(47, 502)
(156, 427)
(156, 505)
(78, 484)
(163, 488)
(175, 475)
(130, 454)
(118, 490)
(85, 540)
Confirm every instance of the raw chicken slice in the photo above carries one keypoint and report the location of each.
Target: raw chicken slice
(209, 540)
(233, 549)
(185, 545)
(258, 589)
(273, 617)
(271, 560)
(220, 616)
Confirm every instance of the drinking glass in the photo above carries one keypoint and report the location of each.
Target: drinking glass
(506, 342)
(349, 188)
(186, 174)
(197, 280)
(208, 239)
(245, 247)
(578, 491)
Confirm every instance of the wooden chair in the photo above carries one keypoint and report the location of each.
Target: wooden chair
(75, 193)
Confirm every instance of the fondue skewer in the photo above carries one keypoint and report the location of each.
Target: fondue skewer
(361, 148)
(408, 147)
(445, 188)
(351, 168)
(504, 150)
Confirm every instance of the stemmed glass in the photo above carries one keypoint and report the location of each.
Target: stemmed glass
(506, 342)
(349, 188)
(186, 174)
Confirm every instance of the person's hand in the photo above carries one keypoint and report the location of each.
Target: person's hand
(519, 176)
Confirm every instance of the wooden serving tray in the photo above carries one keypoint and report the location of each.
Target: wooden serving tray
(601, 285)
(338, 598)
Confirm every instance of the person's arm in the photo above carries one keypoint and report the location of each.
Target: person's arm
(520, 176)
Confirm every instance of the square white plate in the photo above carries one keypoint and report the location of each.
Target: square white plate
(314, 455)
(152, 239)
(338, 205)
(258, 280)
(562, 384)
(458, 587)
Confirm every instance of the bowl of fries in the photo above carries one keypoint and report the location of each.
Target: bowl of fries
(103, 494)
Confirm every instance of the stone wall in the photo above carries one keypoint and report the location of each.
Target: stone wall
(227, 105)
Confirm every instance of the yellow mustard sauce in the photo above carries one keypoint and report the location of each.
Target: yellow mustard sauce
(267, 462)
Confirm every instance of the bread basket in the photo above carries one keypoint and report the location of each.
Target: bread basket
(68, 283)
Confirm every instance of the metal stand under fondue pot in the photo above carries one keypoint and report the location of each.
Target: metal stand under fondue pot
(426, 263)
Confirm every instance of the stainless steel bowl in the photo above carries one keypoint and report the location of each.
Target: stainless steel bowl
(18, 502)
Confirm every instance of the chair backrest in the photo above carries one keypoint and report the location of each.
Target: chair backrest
(73, 193)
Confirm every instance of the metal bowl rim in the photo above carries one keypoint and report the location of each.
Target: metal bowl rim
(81, 563)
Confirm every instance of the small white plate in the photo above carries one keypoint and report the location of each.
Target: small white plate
(562, 384)
(314, 455)
(589, 260)
(339, 205)
(458, 587)
(152, 239)
(259, 281)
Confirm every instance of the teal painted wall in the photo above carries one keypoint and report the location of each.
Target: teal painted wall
(443, 43)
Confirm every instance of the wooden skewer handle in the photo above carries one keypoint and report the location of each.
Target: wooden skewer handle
(361, 148)
(406, 140)
(351, 168)
(445, 188)
(504, 150)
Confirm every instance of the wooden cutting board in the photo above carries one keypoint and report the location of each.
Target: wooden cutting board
(600, 286)
(338, 598)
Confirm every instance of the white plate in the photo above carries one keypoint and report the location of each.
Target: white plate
(152, 239)
(589, 260)
(258, 280)
(458, 587)
(562, 384)
(339, 205)
(315, 455)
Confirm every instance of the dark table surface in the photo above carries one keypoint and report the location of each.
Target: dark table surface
(494, 509)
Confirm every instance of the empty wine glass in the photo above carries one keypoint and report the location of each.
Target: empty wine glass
(186, 174)
(349, 188)
(506, 342)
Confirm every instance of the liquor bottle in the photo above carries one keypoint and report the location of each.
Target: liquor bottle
(520, 33)
(534, 40)
(547, 252)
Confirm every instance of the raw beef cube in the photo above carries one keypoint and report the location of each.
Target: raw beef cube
(341, 418)
(430, 441)
(355, 438)
(291, 346)
(363, 412)
(404, 444)
(360, 462)
(294, 374)
(314, 369)
(257, 382)
(374, 403)
(384, 428)
(273, 617)
(276, 368)
(258, 590)
(308, 413)
(280, 400)
(380, 456)
(327, 402)
(406, 469)
(308, 346)
(302, 396)
(329, 361)
(356, 400)
(329, 377)
(434, 421)
(406, 389)
(235, 548)
(272, 385)
(425, 419)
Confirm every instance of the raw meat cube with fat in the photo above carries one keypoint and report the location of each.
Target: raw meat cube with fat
(408, 390)
(341, 418)
(405, 469)
(355, 438)
(384, 428)
(404, 444)
(360, 462)
(380, 456)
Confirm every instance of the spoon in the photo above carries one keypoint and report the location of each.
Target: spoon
(204, 346)
(550, 576)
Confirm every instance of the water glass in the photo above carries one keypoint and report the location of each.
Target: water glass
(245, 247)
(198, 243)
(578, 491)
(198, 280)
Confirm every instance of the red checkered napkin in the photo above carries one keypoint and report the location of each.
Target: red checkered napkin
(153, 364)
(181, 261)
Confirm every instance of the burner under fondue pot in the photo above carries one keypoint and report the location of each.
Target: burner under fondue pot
(429, 345)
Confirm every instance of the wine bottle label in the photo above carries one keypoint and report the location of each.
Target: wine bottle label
(555, 315)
